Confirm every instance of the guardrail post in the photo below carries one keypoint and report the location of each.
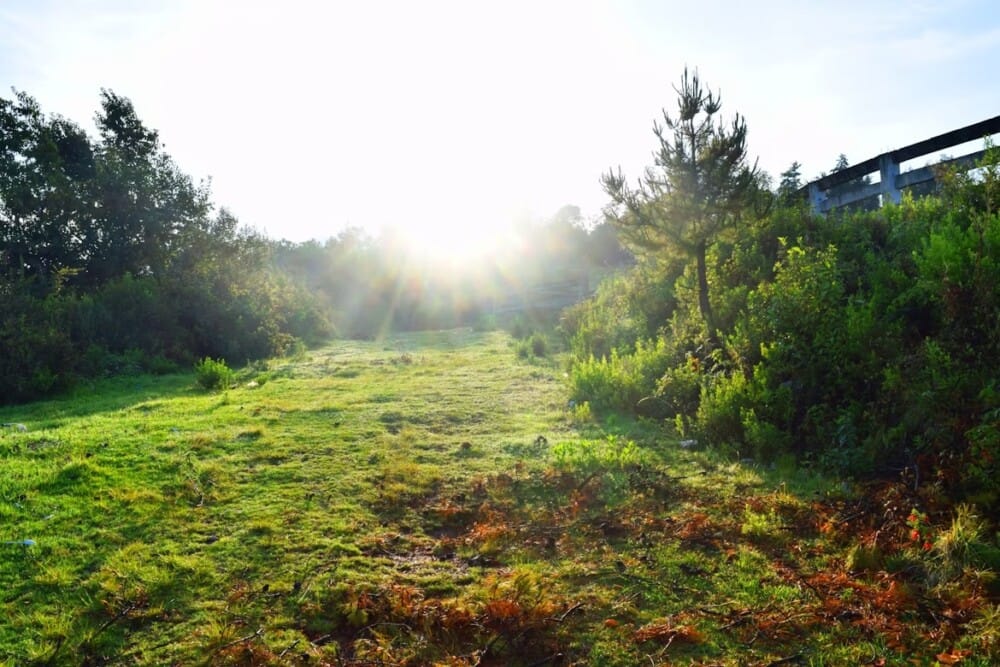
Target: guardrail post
(815, 198)
(888, 171)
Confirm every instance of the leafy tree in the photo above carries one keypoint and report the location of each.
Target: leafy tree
(699, 187)
(45, 164)
(111, 259)
(146, 206)
(89, 211)
(604, 248)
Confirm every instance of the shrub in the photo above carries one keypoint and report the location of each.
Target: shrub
(620, 381)
(535, 345)
(722, 410)
(37, 356)
(539, 346)
(160, 365)
(626, 308)
(580, 413)
(678, 390)
(212, 374)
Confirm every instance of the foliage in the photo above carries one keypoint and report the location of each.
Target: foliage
(627, 306)
(535, 345)
(213, 374)
(864, 342)
(620, 381)
(589, 455)
(361, 509)
(38, 355)
(113, 261)
(791, 182)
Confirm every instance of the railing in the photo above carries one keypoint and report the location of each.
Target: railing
(891, 182)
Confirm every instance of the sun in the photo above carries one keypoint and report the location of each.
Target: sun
(452, 244)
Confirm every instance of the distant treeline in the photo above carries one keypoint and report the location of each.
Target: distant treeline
(114, 261)
(371, 286)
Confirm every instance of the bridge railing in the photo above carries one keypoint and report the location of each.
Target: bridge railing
(891, 182)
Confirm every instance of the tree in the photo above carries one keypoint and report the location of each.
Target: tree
(848, 186)
(791, 182)
(699, 187)
(146, 205)
(45, 165)
(90, 211)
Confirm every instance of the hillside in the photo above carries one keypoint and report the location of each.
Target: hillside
(433, 499)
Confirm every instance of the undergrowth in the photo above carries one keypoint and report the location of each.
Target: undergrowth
(428, 499)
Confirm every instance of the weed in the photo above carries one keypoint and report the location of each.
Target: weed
(612, 451)
(959, 547)
(863, 558)
(581, 414)
(766, 524)
(984, 631)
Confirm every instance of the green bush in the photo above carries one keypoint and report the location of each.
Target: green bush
(627, 307)
(37, 356)
(160, 365)
(539, 345)
(620, 381)
(861, 341)
(212, 374)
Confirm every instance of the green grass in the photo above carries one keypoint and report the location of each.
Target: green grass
(428, 499)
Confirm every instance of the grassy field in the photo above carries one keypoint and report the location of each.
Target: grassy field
(432, 499)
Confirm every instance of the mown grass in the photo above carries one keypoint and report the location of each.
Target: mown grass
(432, 499)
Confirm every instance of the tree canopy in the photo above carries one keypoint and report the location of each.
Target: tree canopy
(90, 210)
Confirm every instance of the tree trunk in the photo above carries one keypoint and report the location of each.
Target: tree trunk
(704, 305)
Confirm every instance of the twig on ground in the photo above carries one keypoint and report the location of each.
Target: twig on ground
(562, 616)
(290, 647)
(242, 640)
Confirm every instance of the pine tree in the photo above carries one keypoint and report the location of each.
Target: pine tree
(848, 186)
(791, 182)
(700, 185)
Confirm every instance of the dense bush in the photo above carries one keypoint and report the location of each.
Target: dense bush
(620, 381)
(627, 307)
(868, 342)
(213, 374)
(38, 356)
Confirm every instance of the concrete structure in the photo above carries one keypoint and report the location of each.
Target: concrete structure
(891, 182)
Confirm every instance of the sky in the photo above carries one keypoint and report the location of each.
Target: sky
(455, 119)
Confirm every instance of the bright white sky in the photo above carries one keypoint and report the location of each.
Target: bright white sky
(454, 119)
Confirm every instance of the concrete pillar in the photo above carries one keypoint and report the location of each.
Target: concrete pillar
(816, 198)
(888, 171)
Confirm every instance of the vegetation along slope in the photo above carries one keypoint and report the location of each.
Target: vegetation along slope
(769, 438)
(433, 500)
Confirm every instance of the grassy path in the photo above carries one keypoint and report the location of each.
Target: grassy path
(431, 500)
